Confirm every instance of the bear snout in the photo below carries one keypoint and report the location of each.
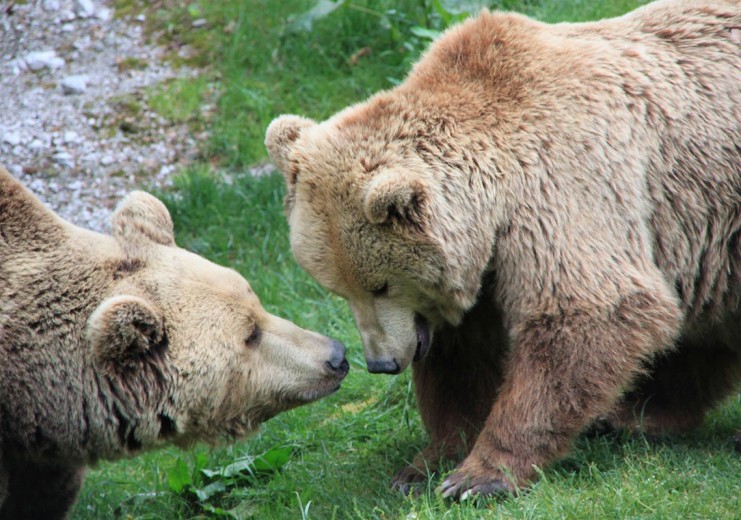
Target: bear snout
(337, 363)
(383, 366)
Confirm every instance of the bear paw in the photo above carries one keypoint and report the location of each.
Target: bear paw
(410, 480)
(462, 486)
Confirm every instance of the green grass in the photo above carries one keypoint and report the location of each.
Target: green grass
(179, 100)
(343, 450)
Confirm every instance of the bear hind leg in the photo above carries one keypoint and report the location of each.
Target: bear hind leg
(680, 388)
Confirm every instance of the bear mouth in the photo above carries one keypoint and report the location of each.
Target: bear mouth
(424, 338)
(318, 392)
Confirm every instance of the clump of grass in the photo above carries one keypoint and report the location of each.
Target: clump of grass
(179, 100)
(131, 63)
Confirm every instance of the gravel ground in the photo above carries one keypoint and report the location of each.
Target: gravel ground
(69, 71)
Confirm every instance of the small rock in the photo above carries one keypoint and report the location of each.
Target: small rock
(13, 137)
(37, 185)
(63, 159)
(70, 137)
(84, 8)
(76, 84)
(68, 27)
(43, 59)
(51, 5)
(199, 23)
(107, 160)
(82, 43)
(36, 144)
(141, 18)
(104, 13)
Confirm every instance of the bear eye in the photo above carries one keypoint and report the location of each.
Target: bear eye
(253, 339)
(381, 290)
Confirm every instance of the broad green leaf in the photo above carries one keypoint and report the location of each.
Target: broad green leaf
(272, 460)
(268, 462)
(210, 490)
(179, 476)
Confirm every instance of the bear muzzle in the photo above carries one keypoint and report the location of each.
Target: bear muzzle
(392, 366)
(336, 368)
(337, 363)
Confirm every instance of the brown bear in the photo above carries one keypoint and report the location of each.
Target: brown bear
(112, 345)
(545, 221)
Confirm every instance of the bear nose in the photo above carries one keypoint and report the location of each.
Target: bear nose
(337, 362)
(383, 366)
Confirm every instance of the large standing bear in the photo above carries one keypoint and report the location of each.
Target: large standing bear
(112, 345)
(545, 221)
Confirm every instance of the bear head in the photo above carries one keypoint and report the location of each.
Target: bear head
(379, 222)
(192, 335)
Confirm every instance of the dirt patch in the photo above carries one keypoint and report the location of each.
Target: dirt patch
(75, 126)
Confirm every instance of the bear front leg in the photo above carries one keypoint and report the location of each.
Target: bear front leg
(454, 397)
(564, 370)
(455, 386)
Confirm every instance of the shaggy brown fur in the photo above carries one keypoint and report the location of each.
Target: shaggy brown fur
(111, 345)
(561, 206)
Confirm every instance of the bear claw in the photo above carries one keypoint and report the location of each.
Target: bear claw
(461, 487)
(409, 480)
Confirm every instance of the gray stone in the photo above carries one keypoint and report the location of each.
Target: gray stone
(76, 84)
(63, 159)
(43, 60)
(70, 137)
(36, 144)
(12, 137)
(51, 5)
(104, 13)
(84, 8)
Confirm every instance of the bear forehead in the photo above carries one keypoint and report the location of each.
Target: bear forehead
(382, 132)
(174, 270)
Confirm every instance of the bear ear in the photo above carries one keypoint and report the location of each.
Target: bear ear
(141, 217)
(123, 328)
(280, 137)
(392, 195)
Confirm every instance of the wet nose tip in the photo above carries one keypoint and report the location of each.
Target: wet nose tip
(383, 366)
(337, 361)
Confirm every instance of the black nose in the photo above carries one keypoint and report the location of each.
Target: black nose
(337, 361)
(383, 366)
